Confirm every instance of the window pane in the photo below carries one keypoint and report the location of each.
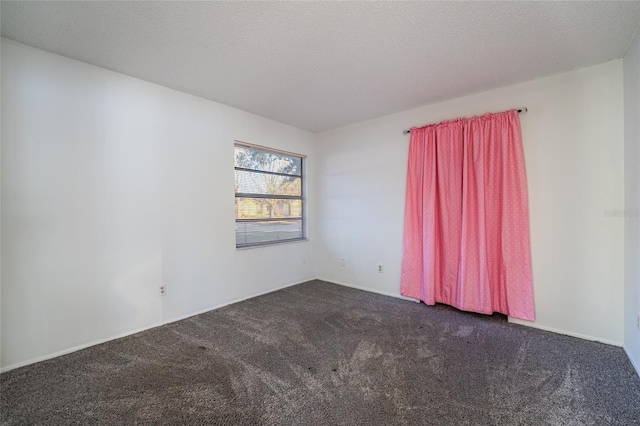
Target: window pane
(267, 208)
(248, 233)
(261, 183)
(257, 159)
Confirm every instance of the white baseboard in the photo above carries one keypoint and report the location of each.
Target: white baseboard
(633, 361)
(138, 330)
(76, 348)
(566, 333)
(222, 305)
(370, 290)
(511, 320)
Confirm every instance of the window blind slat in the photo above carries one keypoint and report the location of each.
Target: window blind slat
(263, 183)
(267, 208)
(249, 233)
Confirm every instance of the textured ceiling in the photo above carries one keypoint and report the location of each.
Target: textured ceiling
(319, 65)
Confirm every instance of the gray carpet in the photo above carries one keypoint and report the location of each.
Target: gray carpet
(322, 354)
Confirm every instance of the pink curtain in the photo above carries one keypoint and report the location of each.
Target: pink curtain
(466, 232)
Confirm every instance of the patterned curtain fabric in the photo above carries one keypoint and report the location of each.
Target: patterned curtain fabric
(466, 231)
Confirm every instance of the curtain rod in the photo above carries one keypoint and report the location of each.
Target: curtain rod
(520, 111)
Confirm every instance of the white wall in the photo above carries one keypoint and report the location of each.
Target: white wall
(632, 200)
(573, 137)
(112, 186)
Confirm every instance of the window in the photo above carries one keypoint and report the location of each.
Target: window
(269, 196)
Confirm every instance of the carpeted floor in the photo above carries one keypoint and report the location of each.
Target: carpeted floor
(322, 354)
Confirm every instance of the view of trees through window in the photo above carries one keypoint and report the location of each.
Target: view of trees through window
(269, 196)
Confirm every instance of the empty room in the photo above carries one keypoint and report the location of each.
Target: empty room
(320, 213)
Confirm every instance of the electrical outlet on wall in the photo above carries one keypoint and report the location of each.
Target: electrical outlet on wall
(163, 289)
(343, 263)
(380, 268)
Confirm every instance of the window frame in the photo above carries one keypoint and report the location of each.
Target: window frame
(301, 197)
